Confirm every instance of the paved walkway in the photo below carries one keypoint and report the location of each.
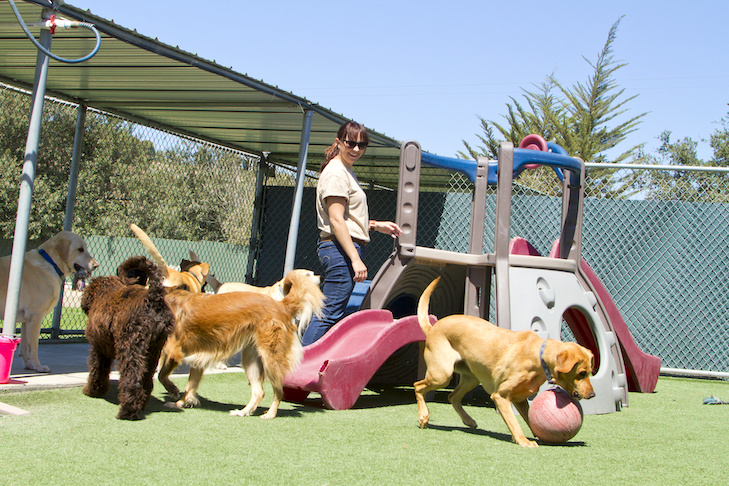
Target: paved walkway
(67, 362)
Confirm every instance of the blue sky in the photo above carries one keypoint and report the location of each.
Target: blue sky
(426, 70)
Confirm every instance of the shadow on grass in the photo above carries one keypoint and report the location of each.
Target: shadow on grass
(165, 405)
(388, 396)
(498, 435)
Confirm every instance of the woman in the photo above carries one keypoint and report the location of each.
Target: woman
(343, 220)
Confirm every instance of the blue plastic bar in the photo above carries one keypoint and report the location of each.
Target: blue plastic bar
(557, 159)
(464, 166)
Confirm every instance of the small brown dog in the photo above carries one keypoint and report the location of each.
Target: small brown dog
(511, 365)
(211, 328)
(192, 273)
(128, 321)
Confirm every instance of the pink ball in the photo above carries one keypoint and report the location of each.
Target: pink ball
(554, 416)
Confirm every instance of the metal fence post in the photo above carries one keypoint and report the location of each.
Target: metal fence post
(257, 219)
(25, 197)
(298, 194)
(78, 144)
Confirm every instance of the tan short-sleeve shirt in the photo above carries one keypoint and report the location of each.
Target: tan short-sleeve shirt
(339, 181)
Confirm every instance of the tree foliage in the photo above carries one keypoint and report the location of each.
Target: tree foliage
(584, 119)
(186, 191)
(683, 183)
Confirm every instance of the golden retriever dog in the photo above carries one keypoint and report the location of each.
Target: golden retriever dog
(276, 291)
(210, 328)
(44, 272)
(511, 365)
(192, 273)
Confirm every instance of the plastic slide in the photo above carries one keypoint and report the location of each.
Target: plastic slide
(641, 369)
(340, 364)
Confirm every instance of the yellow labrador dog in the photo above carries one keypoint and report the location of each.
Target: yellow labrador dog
(44, 271)
(511, 365)
(276, 291)
(192, 274)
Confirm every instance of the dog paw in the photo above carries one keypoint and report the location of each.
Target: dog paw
(527, 443)
(37, 367)
(188, 402)
(470, 423)
(240, 413)
(94, 392)
(128, 415)
(172, 405)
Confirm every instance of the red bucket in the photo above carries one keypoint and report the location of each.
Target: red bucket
(7, 348)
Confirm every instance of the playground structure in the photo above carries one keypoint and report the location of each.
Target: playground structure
(532, 292)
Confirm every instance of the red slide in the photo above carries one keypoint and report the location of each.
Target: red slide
(340, 364)
(641, 369)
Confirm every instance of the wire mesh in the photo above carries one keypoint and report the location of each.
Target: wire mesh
(661, 252)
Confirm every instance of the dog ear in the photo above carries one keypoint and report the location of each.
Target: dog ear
(135, 276)
(288, 282)
(566, 360)
(63, 245)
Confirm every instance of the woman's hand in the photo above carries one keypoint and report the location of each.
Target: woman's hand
(386, 227)
(360, 270)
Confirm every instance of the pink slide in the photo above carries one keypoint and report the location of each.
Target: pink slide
(642, 369)
(340, 364)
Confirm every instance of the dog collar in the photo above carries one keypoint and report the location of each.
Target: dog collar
(50, 260)
(545, 368)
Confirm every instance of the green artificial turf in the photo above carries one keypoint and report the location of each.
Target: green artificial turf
(668, 436)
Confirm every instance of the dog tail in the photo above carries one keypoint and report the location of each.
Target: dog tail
(423, 305)
(149, 246)
(303, 298)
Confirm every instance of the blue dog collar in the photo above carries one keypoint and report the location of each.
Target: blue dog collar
(545, 368)
(50, 260)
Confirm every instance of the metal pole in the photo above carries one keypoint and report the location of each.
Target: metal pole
(78, 145)
(253, 243)
(27, 180)
(296, 209)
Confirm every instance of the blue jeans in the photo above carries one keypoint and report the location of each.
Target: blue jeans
(337, 288)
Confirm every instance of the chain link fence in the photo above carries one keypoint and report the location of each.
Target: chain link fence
(659, 248)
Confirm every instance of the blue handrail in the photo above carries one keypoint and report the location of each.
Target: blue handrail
(557, 159)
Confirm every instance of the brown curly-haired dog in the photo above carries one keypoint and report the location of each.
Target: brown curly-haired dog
(130, 323)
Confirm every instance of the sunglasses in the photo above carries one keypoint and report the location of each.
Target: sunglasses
(350, 144)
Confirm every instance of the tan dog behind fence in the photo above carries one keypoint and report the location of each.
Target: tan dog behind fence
(510, 365)
(192, 272)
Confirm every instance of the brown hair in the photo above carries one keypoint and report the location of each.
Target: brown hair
(348, 131)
